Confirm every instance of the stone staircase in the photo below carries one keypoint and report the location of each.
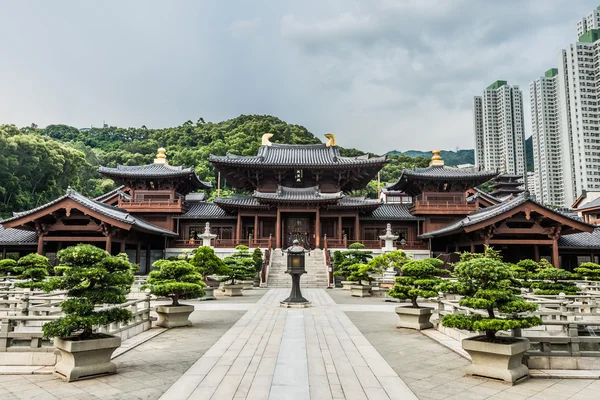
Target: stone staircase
(316, 272)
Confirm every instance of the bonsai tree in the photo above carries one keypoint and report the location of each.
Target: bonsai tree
(587, 270)
(419, 279)
(207, 262)
(8, 266)
(177, 280)
(257, 256)
(239, 266)
(485, 283)
(363, 272)
(548, 282)
(394, 259)
(354, 255)
(90, 276)
(33, 267)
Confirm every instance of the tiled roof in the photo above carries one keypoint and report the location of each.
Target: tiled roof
(14, 236)
(107, 195)
(155, 171)
(204, 210)
(312, 194)
(582, 240)
(298, 155)
(485, 214)
(195, 197)
(442, 173)
(392, 212)
(483, 195)
(101, 208)
(592, 204)
(239, 201)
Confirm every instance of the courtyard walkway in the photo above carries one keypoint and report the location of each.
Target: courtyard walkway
(250, 348)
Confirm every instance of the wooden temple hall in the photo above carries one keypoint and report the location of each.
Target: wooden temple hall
(304, 192)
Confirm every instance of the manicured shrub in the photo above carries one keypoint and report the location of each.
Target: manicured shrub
(587, 270)
(178, 280)
(486, 284)
(394, 259)
(354, 255)
(8, 266)
(420, 278)
(91, 277)
(34, 268)
(257, 256)
(551, 281)
(239, 266)
(207, 262)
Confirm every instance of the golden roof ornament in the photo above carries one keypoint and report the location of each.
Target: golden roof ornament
(331, 141)
(161, 157)
(265, 139)
(436, 159)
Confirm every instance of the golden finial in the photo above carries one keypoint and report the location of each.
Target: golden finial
(161, 157)
(331, 141)
(265, 139)
(436, 159)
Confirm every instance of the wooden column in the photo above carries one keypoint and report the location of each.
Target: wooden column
(536, 253)
(148, 259)
(122, 249)
(278, 229)
(339, 228)
(318, 228)
(4, 253)
(40, 246)
(238, 229)
(108, 244)
(472, 247)
(138, 253)
(555, 261)
(256, 236)
(357, 228)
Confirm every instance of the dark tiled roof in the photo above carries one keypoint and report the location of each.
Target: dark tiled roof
(195, 197)
(14, 236)
(204, 210)
(395, 212)
(582, 240)
(155, 171)
(101, 208)
(483, 195)
(297, 155)
(442, 173)
(592, 204)
(308, 194)
(108, 195)
(487, 213)
(239, 201)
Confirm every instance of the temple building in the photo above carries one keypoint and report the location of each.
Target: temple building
(310, 193)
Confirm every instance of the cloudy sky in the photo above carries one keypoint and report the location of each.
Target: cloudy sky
(381, 74)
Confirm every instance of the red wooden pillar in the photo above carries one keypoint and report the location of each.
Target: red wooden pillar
(238, 229)
(108, 244)
(339, 228)
(555, 260)
(256, 228)
(122, 249)
(472, 247)
(536, 253)
(278, 229)
(318, 228)
(357, 228)
(40, 246)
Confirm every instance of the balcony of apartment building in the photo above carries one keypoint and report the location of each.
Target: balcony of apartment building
(153, 201)
(441, 203)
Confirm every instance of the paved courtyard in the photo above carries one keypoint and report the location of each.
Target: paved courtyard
(250, 348)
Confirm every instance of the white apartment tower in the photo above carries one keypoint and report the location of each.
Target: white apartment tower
(500, 134)
(591, 21)
(545, 132)
(579, 91)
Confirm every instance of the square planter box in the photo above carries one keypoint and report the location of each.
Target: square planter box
(81, 359)
(497, 360)
(414, 318)
(209, 293)
(174, 316)
(347, 285)
(247, 285)
(360, 290)
(233, 290)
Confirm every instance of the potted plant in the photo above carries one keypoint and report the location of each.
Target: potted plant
(34, 268)
(360, 273)
(177, 280)
(354, 255)
(207, 263)
(238, 267)
(91, 277)
(485, 282)
(551, 281)
(419, 279)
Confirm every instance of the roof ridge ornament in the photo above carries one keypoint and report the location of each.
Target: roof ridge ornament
(265, 139)
(331, 142)
(436, 159)
(161, 157)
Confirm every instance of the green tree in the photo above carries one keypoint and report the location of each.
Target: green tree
(177, 280)
(257, 256)
(589, 270)
(91, 277)
(207, 262)
(239, 266)
(35, 268)
(8, 266)
(354, 255)
(420, 278)
(551, 281)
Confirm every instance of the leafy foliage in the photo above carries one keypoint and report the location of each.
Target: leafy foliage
(257, 256)
(554, 287)
(207, 262)
(394, 259)
(35, 268)
(348, 258)
(363, 272)
(239, 266)
(91, 277)
(176, 279)
(589, 270)
(485, 281)
(420, 278)
(8, 266)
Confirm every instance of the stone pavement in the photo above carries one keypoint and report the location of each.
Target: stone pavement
(249, 348)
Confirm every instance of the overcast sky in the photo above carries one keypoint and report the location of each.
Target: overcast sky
(380, 74)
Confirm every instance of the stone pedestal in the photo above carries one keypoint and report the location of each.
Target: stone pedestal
(81, 359)
(233, 290)
(360, 290)
(209, 293)
(414, 318)
(389, 239)
(497, 360)
(174, 316)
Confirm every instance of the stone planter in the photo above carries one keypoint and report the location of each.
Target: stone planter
(361, 290)
(414, 318)
(497, 360)
(81, 359)
(233, 290)
(209, 293)
(174, 316)
(247, 285)
(347, 285)
(379, 291)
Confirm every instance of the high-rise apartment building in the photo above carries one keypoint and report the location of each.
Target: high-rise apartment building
(545, 121)
(499, 129)
(589, 22)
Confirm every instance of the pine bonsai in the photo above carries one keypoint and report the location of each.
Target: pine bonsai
(419, 279)
(239, 266)
(363, 272)
(91, 277)
(587, 270)
(257, 256)
(34, 268)
(8, 266)
(554, 287)
(177, 280)
(394, 259)
(354, 255)
(485, 281)
(207, 262)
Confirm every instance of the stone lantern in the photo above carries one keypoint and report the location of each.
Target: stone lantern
(207, 236)
(295, 267)
(389, 239)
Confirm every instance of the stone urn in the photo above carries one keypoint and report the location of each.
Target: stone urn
(174, 316)
(347, 285)
(414, 317)
(209, 293)
(81, 359)
(247, 284)
(233, 290)
(360, 290)
(497, 360)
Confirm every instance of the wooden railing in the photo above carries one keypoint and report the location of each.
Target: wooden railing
(330, 282)
(224, 243)
(169, 204)
(441, 206)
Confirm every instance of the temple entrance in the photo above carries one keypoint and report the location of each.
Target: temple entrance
(298, 229)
